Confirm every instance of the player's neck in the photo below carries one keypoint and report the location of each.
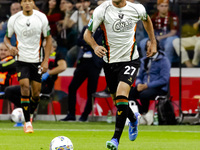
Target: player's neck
(119, 4)
(28, 13)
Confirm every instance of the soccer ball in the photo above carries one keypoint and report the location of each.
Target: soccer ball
(61, 143)
(17, 115)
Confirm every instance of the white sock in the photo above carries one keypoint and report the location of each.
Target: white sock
(28, 124)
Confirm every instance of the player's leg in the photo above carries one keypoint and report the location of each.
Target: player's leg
(111, 76)
(35, 99)
(35, 78)
(121, 101)
(25, 103)
(127, 77)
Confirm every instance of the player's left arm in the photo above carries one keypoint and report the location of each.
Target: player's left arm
(44, 64)
(152, 50)
(147, 23)
(47, 49)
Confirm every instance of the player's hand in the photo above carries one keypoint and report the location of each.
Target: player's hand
(100, 51)
(152, 50)
(44, 66)
(14, 51)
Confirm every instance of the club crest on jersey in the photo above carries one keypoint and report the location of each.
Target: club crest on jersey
(121, 16)
(122, 25)
(28, 23)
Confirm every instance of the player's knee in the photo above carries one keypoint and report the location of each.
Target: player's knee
(25, 88)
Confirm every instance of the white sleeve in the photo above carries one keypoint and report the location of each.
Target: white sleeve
(142, 12)
(45, 26)
(96, 19)
(10, 27)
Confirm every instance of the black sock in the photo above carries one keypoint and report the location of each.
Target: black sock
(121, 115)
(131, 115)
(34, 101)
(25, 103)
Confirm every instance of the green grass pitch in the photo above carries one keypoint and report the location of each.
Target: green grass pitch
(93, 136)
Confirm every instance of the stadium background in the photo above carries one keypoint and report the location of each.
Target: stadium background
(188, 12)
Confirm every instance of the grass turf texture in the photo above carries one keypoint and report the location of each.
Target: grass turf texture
(93, 136)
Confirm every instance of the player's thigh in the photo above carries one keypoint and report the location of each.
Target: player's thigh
(24, 85)
(35, 88)
(35, 76)
(111, 76)
(23, 70)
(128, 71)
(123, 89)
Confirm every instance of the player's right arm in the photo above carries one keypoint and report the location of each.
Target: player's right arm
(100, 51)
(14, 51)
(95, 21)
(10, 30)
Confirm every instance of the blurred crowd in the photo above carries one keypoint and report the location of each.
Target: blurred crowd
(68, 17)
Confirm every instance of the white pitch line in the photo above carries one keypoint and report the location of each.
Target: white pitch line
(98, 130)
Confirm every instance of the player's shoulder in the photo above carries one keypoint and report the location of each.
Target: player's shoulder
(15, 16)
(136, 6)
(39, 13)
(105, 5)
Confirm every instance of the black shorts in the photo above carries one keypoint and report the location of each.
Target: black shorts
(121, 71)
(28, 70)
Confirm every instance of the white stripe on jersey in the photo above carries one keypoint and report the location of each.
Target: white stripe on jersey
(119, 29)
(28, 30)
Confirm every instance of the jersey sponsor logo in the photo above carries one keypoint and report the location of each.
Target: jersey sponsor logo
(123, 25)
(29, 33)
